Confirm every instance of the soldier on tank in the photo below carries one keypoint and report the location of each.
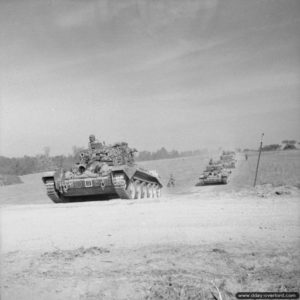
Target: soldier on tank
(131, 155)
(93, 143)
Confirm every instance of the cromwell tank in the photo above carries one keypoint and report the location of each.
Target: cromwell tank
(228, 159)
(214, 174)
(103, 173)
(229, 164)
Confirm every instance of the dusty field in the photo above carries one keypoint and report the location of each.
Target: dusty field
(9, 179)
(181, 246)
(277, 167)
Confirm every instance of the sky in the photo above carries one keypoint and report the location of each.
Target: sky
(180, 74)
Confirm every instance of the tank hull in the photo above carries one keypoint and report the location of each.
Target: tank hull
(214, 174)
(215, 180)
(120, 182)
(211, 180)
(103, 173)
(87, 186)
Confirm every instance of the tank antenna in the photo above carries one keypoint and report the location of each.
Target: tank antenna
(260, 148)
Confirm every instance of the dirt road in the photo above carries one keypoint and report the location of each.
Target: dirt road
(178, 219)
(136, 249)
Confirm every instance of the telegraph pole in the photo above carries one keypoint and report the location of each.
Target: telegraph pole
(258, 159)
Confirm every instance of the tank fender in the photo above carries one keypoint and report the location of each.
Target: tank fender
(129, 172)
(48, 175)
(57, 176)
(158, 180)
(150, 173)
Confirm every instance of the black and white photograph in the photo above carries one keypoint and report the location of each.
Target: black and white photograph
(149, 149)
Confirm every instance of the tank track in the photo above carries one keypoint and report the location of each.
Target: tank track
(119, 183)
(51, 192)
(120, 187)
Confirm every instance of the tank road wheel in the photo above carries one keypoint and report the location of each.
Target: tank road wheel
(144, 191)
(158, 191)
(155, 191)
(130, 190)
(150, 191)
(138, 190)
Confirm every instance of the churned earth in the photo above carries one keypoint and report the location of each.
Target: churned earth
(193, 243)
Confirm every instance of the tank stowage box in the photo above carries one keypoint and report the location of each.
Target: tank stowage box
(103, 173)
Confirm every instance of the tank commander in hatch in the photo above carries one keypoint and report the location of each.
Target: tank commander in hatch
(93, 143)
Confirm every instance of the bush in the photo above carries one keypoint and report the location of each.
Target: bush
(289, 147)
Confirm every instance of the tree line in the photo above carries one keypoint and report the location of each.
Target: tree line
(45, 162)
(32, 164)
(163, 153)
(286, 145)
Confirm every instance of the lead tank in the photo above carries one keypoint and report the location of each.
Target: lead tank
(103, 173)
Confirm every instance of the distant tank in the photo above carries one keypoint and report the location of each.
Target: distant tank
(229, 164)
(214, 174)
(227, 156)
(103, 173)
(228, 159)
